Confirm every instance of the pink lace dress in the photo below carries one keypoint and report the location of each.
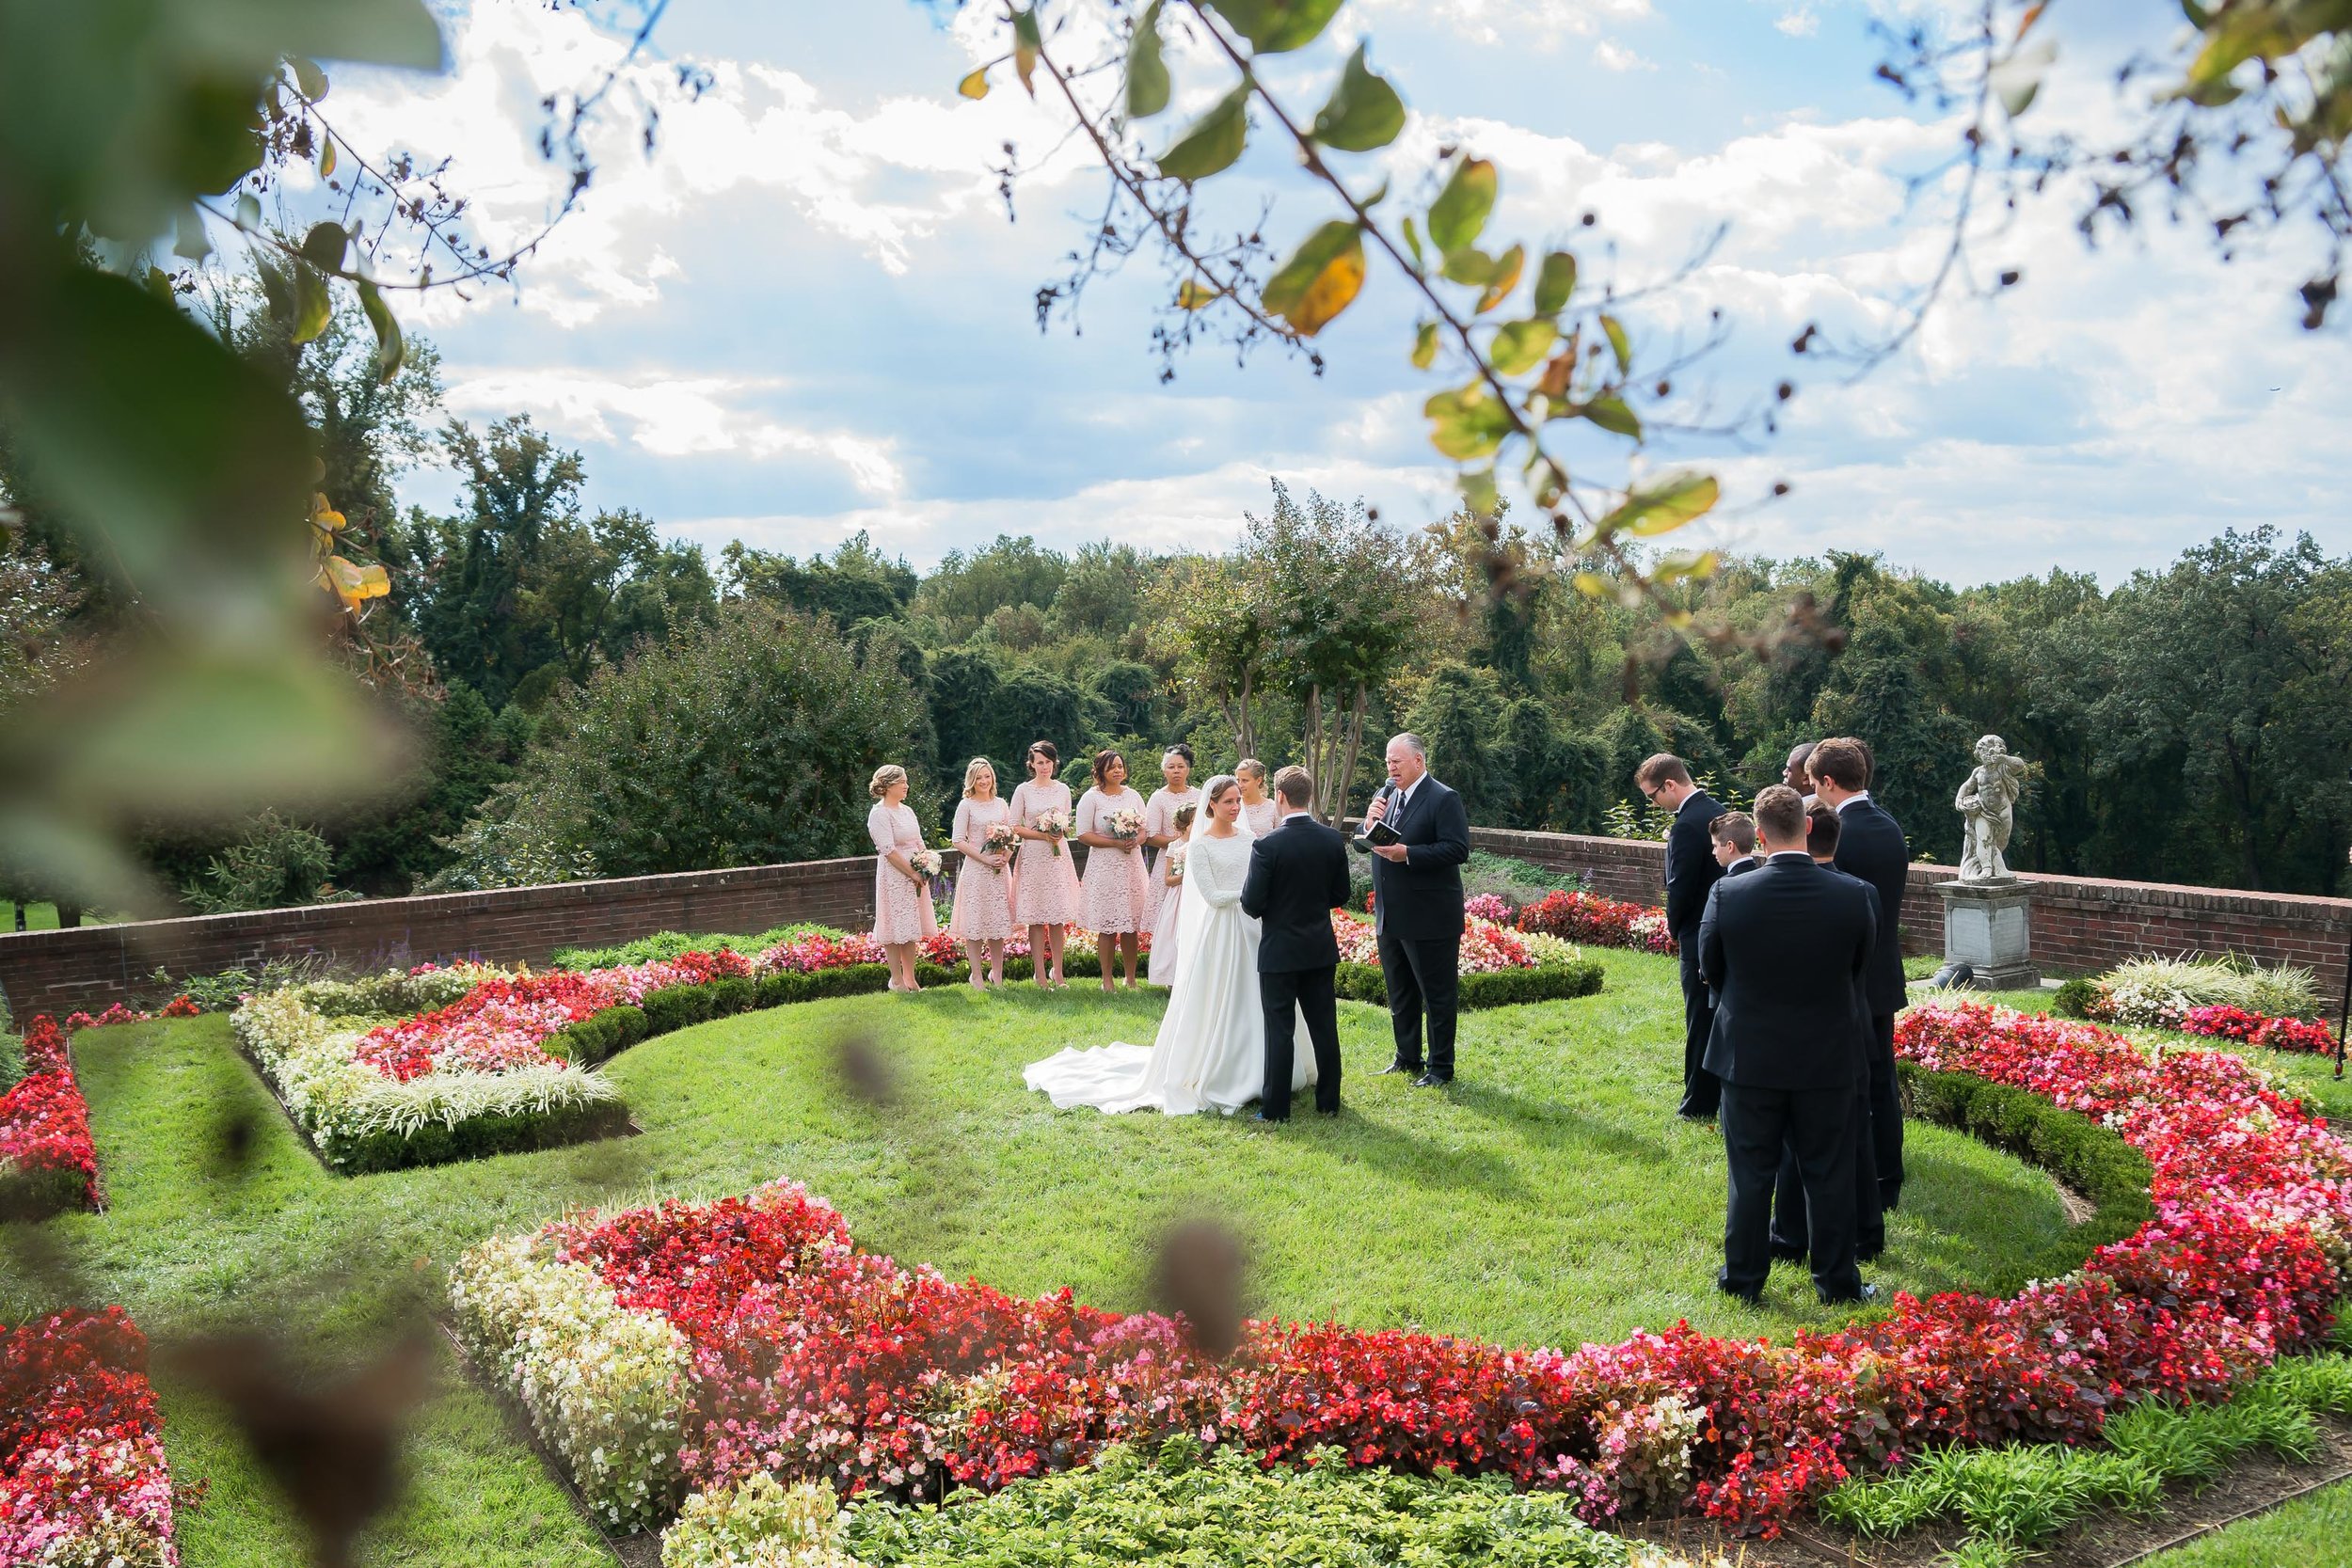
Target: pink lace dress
(984, 909)
(1159, 820)
(1045, 884)
(1112, 894)
(1259, 818)
(903, 912)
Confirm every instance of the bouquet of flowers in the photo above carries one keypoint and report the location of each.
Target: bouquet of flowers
(926, 861)
(1001, 840)
(1056, 822)
(1126, 822)
(1175, 877)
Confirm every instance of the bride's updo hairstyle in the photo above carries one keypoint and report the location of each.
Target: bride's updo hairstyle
(1212, 791)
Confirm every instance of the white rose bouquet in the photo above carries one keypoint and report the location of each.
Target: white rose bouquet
(1057, 823)
(1124, 823)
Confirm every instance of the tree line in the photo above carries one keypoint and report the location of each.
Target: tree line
(591, 698)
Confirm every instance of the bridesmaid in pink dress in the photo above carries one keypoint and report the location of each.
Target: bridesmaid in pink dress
(1159, 825)
(1168, 877)
(902, 894)
(983, 914)
(1045, 878)
(1111, 895)
(1257, 806)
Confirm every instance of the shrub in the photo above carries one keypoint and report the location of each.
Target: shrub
(758, 1524)
(274, 863)
(12, 1061)
(1222, 1507)
(2158, 992)
(1502, 988)
(675, 1007)
(2076, 998)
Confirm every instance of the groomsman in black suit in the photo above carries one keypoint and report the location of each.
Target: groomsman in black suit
(1784, 949)
(1871, 849)
(1297, 877)
(1664, 781)
(1417, 907)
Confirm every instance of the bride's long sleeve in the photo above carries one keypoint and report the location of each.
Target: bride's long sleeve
(1216, 878)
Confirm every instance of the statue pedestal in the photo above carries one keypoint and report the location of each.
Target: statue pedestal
(1988, 926)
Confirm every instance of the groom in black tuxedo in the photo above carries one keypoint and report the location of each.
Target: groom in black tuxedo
(1417, 907)
(1297, 877)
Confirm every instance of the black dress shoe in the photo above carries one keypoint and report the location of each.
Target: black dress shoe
(1327, 1110)
(1413, 1068)
(1431, 1080)
(1864, 1297)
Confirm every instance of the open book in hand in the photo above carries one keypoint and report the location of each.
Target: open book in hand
(1377, 834)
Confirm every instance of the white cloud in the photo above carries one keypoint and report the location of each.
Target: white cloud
(1797, 24)
(1542, 23)
(1612, 55)
(682, 417)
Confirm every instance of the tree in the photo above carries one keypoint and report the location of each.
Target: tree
(1211, 622)
(471, 750)
(745, 741)
(858, 583)
(1101, 591)
(1127, 695)
(964, 590)
(1458, 715)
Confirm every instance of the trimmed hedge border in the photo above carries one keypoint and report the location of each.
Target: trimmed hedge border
(40, 1194)
(599, 1038)
(478, 1138)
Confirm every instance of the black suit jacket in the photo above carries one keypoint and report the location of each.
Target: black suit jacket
(1691, 868)
(1785, 950)
(1297, 877)
(1870, 848)
(1421, 898)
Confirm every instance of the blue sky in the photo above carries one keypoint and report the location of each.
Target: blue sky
(807, 313)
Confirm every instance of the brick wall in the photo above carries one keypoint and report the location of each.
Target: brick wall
(2079, 923)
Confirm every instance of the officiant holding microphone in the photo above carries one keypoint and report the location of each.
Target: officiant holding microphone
(1418, 834)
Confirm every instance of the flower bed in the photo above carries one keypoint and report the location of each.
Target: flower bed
(2279, 1033)
(750, 1335)
(468, 1077)
(1592, 921)
(82, 1473)
(47, 1160)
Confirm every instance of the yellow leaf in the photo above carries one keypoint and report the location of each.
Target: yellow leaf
(356, 584)
(1191, 295)
(1320, 281)
(1591, 584)
(1506, 277)
(976, 84)
(1425, 345)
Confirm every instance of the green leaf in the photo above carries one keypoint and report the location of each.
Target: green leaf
(1618, 344)
(323, 247)
(277, 288)
(390, 347)
(1321, 279)
(248, 211)
(1467, 422)
(1662, 505)
(1519, 346)
(1478, 490)
(1026, 46)
(1147, 72)
(2017, 79)
(1460, 211)
(327, 160)
(313, 304)
(1273, 27)
(308, 77)
(1412, 242)
(1214, 141)
(1191, 295)
(1612, 415)
(1425, 345)
(1506, 277)
(1363, 113)
(1555, 282)
(1469, 264)
(976, 84)
(189, 239)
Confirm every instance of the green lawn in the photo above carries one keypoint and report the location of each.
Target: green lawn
(2313, 1531)
(1551, 1198)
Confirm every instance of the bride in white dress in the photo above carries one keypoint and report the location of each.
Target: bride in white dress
(1209, 1052)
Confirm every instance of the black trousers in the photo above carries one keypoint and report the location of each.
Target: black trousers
(1702, 1091)
(1286, 994)
(1789, 1229)
(1886, 1110)
(1817, 1124)
(1423, 975)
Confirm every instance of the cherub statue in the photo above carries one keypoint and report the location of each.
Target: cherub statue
(1987, 804)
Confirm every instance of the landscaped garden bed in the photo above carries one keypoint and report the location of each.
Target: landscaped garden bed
(692, 1348)
(47, 1161)
(83, 1481)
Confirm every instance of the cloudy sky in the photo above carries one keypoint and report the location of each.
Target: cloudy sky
(806, 313)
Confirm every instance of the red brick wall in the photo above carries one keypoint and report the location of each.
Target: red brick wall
(2079, 923)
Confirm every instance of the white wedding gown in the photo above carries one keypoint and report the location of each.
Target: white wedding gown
(1209, 1052)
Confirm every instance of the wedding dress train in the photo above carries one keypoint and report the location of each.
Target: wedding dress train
(1210, 1052)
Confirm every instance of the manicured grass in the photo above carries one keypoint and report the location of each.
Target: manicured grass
(1551, 1198)
(38, 917)
(2292, 1071)
(2312, 1531)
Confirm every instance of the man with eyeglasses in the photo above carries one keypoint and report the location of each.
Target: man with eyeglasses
(1692, 873)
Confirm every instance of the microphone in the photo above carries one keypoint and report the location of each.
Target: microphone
(1363, 841)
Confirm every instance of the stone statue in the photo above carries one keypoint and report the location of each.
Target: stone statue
(1987, 804)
